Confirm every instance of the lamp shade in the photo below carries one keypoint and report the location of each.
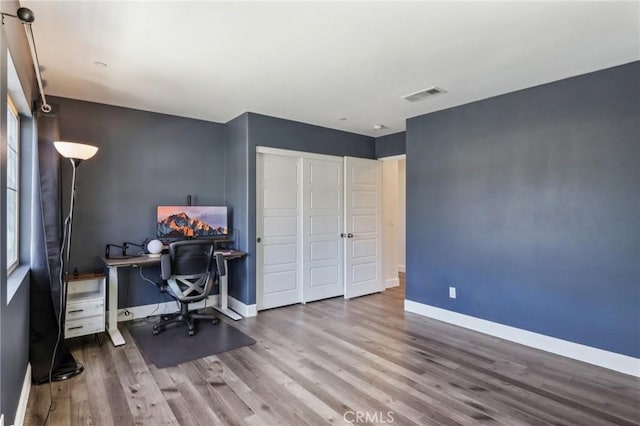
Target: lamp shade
(78, 151)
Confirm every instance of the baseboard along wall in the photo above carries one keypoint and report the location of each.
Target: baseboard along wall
(21, 412)
(243, 309)
(611, 360)
(392, 282)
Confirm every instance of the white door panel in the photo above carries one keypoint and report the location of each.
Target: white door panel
(362, 273)
(278, 227)
(280, 282)
(363, 253)
(324, 199)
(323, 264)
(284, 226)
(323, 225)
(280, 254)
(325, 175)
(280, 169)
(365, 248)
(364, 200)
(364, 224)
(326, 276)
(362, 173)
(324, 250)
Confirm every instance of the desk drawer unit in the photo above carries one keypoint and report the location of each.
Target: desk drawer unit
(85, 308)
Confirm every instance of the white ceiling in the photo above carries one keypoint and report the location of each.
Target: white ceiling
(318, 62)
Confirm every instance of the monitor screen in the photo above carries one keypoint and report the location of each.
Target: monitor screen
(191, 221)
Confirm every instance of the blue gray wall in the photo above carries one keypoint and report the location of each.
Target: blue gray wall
(261, 130)
(528, 203)
(237, 199)
(144, 160)
(14, 313)
(390, 145)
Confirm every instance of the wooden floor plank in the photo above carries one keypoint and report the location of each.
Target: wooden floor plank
(210, 395)
(325, 361)
(38, 405)
(249, 397)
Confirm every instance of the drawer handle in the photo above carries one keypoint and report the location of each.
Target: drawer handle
(76, 310)
(76, 328)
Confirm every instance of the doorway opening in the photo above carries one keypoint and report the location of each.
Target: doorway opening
(394, 221)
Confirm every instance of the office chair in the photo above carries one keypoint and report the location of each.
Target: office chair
(189, 272)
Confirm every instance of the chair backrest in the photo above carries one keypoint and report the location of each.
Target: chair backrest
(191, 269)
(191, 257)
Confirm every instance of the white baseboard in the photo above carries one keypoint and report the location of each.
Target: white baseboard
(242, 309)
(611, 360)
(21, 411)
(402, 268)
(144, 311)
(392, 282)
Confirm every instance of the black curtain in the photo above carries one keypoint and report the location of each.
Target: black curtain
(46, 243)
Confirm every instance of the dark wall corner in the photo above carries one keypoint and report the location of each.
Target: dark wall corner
(390, 145)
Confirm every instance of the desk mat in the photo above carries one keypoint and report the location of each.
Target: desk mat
(174, 346)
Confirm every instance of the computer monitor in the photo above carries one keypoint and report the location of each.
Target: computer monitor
(180, 222)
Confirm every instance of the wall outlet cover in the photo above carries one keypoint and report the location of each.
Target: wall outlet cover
(452, 292)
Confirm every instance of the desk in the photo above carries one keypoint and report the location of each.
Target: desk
(113, 264)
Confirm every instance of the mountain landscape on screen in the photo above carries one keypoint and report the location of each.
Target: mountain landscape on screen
(180, 225)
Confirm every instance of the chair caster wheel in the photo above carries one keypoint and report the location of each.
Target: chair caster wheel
(215, 321)
(192, 332)
(156, 332)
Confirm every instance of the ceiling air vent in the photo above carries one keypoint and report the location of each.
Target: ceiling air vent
(424, 94)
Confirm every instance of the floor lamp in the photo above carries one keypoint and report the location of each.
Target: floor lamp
(76, 153)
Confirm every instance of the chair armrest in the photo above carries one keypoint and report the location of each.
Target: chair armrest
(220, 264)
(165, 265)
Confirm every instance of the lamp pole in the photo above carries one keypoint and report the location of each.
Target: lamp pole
(68, 223)
(66, 251)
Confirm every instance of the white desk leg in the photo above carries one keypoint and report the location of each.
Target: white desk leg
(112, 320)
(223, 304)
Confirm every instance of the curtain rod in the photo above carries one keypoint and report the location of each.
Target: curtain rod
(26, 17)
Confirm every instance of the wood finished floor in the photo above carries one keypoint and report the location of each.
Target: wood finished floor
(314, 363)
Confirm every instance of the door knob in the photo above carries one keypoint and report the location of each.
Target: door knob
(349, 235)
(259, 240)
(343, 235)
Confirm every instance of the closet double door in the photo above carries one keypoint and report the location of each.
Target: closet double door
(317, 226)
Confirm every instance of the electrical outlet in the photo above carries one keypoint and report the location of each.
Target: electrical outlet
(452, 292)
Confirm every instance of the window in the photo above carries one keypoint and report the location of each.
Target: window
(13, 194)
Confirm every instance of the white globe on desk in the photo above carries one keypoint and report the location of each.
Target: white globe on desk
(154, 247)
